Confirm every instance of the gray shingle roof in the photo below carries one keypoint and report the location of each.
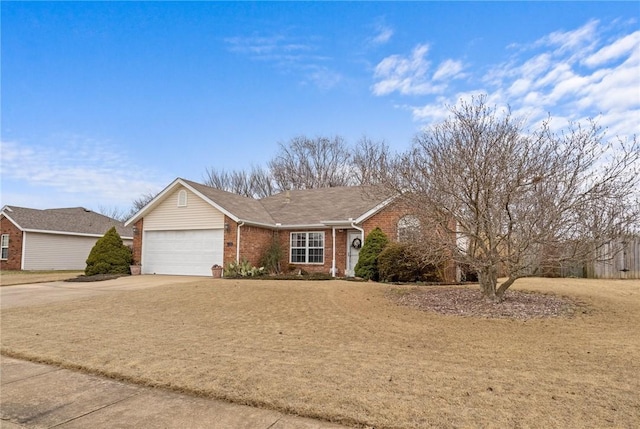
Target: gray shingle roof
(307, 207)
(313, 206)
(72, 220)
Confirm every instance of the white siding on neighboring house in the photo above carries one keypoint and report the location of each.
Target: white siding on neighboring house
(57, 252)
(197, 214)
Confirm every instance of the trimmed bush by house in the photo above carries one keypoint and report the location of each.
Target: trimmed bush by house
(273, 256)
(367, 266)
(405, 262)
(109, 256)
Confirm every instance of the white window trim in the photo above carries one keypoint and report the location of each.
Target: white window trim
(4, 244)
(182, 198)
(306, 262)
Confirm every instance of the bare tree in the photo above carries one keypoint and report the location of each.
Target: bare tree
(139, 203)
(262, 183)
(113, 212)
(306, 163)
(501, 200)
(371, 161)
(256, 183)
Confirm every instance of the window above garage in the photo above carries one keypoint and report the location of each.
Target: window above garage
(182, 198)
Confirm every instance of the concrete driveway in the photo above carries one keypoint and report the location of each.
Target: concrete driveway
(44, 293)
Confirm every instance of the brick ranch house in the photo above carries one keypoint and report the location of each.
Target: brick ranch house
(52, 239)
(188, 227)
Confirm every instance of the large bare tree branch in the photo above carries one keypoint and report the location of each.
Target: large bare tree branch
(519, 202)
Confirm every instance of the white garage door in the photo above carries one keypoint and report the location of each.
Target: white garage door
(190, 253)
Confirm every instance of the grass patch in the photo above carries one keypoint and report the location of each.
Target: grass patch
(8, 278)
(345, 352)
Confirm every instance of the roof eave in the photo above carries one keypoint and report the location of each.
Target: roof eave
(160, 197)
(4, 213)
(343, 223)
(300, 225)
(78, 234)
(375, 210)
(258, 224)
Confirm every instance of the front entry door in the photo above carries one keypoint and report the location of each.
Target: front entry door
(353, 252)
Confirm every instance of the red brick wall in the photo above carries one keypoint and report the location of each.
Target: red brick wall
(341, 251)
(387, 220)
(137, 242)
(14, 260)
(253, 243)
(229, 251)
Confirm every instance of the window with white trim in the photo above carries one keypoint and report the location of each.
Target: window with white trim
(307, 248)
(4, 245)
(182, 198)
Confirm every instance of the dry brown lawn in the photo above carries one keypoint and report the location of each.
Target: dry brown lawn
(9, 278)
(346, 352)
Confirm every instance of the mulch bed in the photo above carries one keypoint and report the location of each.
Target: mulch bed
(96, 278)
(468, 302)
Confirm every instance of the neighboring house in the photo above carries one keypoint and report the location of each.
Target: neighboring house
(52, 239)
(188, 227)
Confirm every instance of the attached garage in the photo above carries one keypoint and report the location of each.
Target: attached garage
(182, 252)
(188, 227)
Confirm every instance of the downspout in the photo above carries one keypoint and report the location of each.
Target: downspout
(238, 241)
(333, 261)
(353, 225)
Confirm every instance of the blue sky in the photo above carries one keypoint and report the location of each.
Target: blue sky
(103, 102)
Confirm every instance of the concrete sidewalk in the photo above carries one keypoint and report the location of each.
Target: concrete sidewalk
(42, 396)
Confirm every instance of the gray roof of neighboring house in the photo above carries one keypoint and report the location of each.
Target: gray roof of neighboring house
(74, 220)
(314, 206)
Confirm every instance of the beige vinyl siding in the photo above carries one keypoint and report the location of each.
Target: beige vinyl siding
(44, 251)
(197, 214)
(56, 252)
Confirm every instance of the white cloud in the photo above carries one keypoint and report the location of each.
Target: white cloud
(574, 42)
(621, 47)
(408, 75)
(384, 34)
(289, 55)
(322, 77)
(262, 46)
(590, 72)
(78, 171)
(449, 69)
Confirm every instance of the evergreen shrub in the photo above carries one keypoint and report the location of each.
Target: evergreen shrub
(367, 266)
(109, 256)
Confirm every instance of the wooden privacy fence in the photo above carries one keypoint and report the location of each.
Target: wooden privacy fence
(618, 259)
